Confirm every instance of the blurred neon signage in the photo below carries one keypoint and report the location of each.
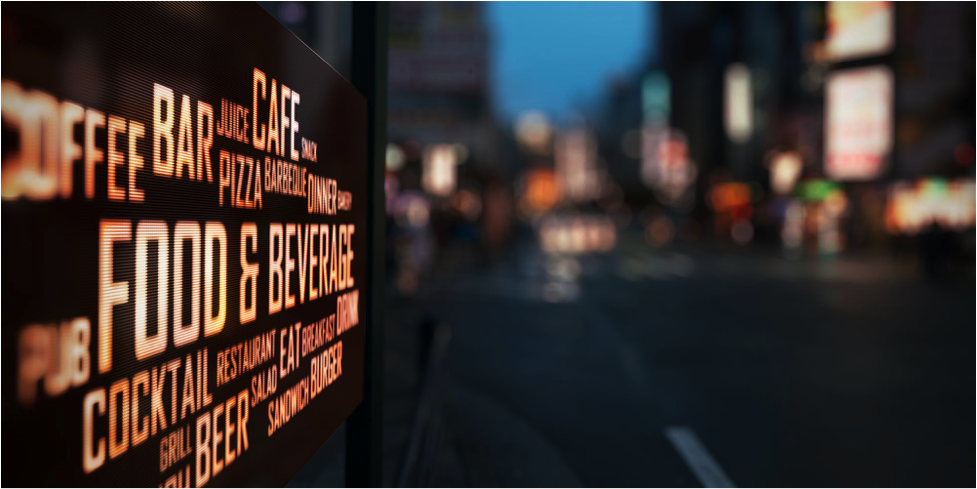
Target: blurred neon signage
(914, 206)
(735, 198)
(738, 108)
(859, 29)
(576, 155)
(542, 190)
(817, 190)
(785, 168)
(665, 163)
(858, 123)
(439, 172)
(656, 98)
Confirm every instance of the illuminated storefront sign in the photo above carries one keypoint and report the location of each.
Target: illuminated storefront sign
(858, 123)
(912, 207)
(184, 241)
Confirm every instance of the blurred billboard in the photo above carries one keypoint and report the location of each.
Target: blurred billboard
(859, 29)
(858, 122)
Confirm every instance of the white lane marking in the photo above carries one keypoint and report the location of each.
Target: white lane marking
(699, 460)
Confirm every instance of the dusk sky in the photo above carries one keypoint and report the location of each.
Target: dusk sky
(557, 56)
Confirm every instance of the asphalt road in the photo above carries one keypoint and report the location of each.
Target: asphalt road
(566, 371)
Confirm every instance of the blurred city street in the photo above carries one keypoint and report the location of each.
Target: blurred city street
(674, 244)
(811, 373)
(563, 244)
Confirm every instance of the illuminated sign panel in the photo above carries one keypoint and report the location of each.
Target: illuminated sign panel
(575, 161)
(184, 245)
(738, 103)
(858, 122)
(857, 29)
(440, 172)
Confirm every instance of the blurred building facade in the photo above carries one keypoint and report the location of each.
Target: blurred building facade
(934, 67)
(439, 80)
(748, 88)
(703, 43)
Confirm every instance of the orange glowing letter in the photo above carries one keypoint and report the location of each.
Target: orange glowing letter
(147, 231)
(162, 130)
(258, 134)
(110, 293)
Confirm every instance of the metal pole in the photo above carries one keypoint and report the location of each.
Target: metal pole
(364, 441)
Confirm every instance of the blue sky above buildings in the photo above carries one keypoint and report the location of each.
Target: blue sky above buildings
(558, 56)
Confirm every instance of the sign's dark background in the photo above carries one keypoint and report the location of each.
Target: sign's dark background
(107, 57)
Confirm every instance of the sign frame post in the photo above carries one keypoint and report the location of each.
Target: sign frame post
(364, 440)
